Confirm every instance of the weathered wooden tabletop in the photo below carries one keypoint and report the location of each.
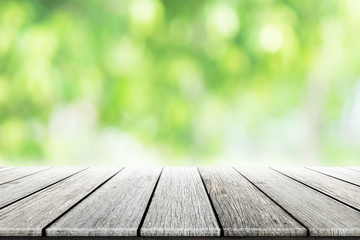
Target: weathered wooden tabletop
(180, 202)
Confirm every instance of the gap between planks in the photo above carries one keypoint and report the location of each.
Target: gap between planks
(41, 189)
(120, 214)
(43, 231)
(19, 173)
(273, 200)
(347, 175)
(148, 205)
(318, 189)
(322, 215)
(212, 204)
(176, 238)
(177, 191)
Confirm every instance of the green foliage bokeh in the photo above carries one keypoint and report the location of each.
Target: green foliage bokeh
(177, 74)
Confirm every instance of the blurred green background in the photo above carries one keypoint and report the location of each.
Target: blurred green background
(149, 82)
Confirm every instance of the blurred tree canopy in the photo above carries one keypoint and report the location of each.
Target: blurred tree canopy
(200, 79)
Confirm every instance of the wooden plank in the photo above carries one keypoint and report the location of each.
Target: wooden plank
(16, 173)
(177, 238)
(180, 206)
(243, 210)
(28, 217)
(116, 209)
(341, 173)
(22, 187)
(343, 191)
(5, 168)
(354, 168)
(322, 215)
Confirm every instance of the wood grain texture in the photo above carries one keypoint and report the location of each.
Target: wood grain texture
(340, 173)
(5, 168)
(322, 215)
(354, 168)
(343, 191)
(29, 216)
(243, 210)
(16, 173)
(180, 206)
(22, 187)
(176, 238)
(116, 209)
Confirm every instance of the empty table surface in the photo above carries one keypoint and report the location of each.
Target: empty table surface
(205, 202)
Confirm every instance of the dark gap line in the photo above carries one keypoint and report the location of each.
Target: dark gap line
(25, 175)
(138, 232)
(317, 190)
(180, 238)
(43, 230)
(28, 195)
(291, 215)
(352, 169)
(212, 205)
(333, 177)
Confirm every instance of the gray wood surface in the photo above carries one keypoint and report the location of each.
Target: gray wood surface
(343, 191)
(16, 173)
(29, 216)
(340, 173)
(102, 202)
(243, 210)
(5, 168)
(176, 238)
(22, 187)
(354, 168)
(180, 206)
(322, 215)
(116, 209)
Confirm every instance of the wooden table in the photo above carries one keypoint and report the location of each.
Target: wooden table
(261, 203)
